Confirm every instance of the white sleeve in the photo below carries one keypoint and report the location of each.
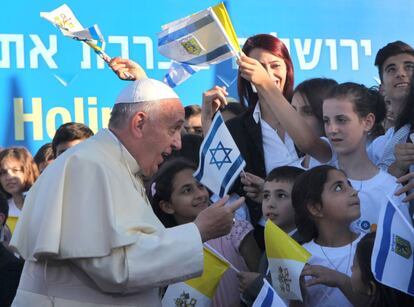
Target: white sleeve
(151, 262)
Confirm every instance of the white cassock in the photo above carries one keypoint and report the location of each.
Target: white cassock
(90, 238)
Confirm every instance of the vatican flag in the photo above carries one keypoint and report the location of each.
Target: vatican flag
(197, 291)
(286, 260)
(206, 37)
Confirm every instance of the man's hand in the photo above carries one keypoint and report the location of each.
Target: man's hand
(127, 69)
(217, 220)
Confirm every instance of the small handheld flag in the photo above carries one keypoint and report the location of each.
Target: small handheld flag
(197, 291)
(286, 261)
(220, 159)
(69, 25)
(392, 261)
(203, 38)
(268, 297)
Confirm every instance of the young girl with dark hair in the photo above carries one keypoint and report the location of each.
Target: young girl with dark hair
(18, 172)
(325, 205)
(177, 198)
(363, 280)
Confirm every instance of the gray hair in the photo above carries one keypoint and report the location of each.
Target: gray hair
(122, 113)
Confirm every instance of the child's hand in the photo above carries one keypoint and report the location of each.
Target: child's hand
(407, 187)
(323, 275)
(253, 186)
(213, 100)
(251, 70)
(245, 279)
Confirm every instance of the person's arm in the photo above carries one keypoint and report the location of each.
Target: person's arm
(408, 179)
(331, 278)
(213, 100)
(159, 259)
(250, 251)
(271, 97)
(127, 69)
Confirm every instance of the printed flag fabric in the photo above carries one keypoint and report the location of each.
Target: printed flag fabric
(69, 25)
(392, 261)
(178, 73)
(206, 37)
(220, 159)
(286, 260)
(197, 291)
(268, 297)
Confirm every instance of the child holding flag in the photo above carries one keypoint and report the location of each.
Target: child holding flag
(277, 207)
(325, 205)
(177, 198)
(363, 280)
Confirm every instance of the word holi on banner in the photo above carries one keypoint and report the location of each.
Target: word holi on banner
(308, 51)
(40, 120)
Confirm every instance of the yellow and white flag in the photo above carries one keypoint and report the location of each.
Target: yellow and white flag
(197, 291)
(286, 260)
(69, 25)
(206, 37)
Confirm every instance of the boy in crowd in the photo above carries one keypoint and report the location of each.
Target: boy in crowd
(69, 135)
(276, 206)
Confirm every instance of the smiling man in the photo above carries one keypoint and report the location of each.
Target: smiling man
(88, 233)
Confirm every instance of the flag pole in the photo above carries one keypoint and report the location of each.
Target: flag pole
(215, 252)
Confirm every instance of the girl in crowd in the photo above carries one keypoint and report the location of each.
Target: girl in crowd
(363, 280)
(177, 198)
(325, 205)
(18, 172)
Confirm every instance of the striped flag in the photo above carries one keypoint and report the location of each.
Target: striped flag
(178, 73)
(268, 297)
(206, 37)
(392, 261)
(220, 159)
(286, 261)
(197, 291)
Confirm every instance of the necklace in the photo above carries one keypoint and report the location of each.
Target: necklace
(332, 264)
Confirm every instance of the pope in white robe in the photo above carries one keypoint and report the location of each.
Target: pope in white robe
(89, 235)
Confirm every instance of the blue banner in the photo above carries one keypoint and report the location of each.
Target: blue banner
(47, 79)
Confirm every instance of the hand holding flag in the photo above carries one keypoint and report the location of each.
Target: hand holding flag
(286, 260)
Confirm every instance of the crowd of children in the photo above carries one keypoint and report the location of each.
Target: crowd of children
(322, 159)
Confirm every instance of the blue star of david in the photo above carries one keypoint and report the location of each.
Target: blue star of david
(221, 152)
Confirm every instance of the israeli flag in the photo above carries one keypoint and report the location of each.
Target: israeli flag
(268, 297)
(220, 159)
(178, 73)
(392, 261)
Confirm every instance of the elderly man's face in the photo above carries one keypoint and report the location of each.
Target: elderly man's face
(162, 134)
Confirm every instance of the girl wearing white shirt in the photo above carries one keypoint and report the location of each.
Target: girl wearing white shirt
(325, 204)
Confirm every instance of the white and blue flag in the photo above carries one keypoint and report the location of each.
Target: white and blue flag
(203, 38)
(392, 261)
(268, 297)
(178, 73)
(220, 159)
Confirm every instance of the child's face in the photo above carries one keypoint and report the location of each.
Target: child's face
(12, 176)
(397, 71)
(340, 202)
(188, 197)
(345, 130)
(277, 204)
(356, 281)
(301, 105)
